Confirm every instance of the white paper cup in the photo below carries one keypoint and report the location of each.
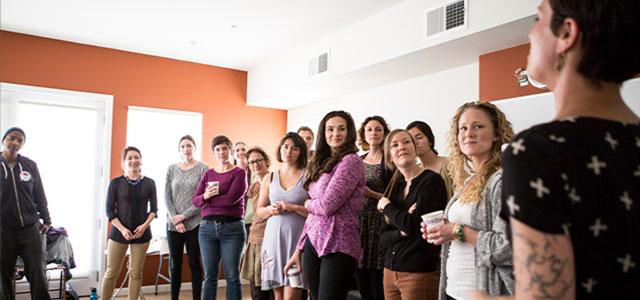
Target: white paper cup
(294, 277)
(433, 218)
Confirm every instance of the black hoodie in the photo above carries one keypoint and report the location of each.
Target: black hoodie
(22, 199)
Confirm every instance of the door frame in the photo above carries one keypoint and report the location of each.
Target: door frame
(11, 94)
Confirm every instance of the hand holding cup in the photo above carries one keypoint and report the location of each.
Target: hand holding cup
(212, 189)
(430, 221)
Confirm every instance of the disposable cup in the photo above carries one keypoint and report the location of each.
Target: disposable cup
(294, 277)
(213, 183)
(433, 218)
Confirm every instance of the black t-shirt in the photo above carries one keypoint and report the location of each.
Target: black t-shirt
(582, 176)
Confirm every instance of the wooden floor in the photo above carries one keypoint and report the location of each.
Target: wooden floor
(187, 294)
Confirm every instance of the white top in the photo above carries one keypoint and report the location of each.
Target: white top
(461, 265)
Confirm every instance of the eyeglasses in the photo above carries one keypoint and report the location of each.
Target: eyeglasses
(257, 161)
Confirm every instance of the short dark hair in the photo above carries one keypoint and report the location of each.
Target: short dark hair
(361, 138)
(187, 137)
(128, 149)
(221, 139)
(261, 152)
(426, 130)
(305, 128)
(297, 142)
(606, 28)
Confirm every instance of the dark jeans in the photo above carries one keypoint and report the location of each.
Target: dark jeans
(177, 241)
(370, 284)
(27, 243)
(327, 277)
(222, 241)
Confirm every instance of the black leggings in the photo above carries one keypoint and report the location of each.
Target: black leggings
(177, 242)
(327, 277)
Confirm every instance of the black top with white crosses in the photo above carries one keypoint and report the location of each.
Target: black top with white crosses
(582, 175)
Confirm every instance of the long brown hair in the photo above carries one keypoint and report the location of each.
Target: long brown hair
(323, 161)
(471, 192)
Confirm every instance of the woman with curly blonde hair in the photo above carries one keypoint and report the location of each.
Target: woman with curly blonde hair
(476, 252)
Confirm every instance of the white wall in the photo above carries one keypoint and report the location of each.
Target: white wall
(432, 98)
(395, 34)
(527, 111)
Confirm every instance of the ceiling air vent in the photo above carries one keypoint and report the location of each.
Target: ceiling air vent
(447, 17)
(319, 64)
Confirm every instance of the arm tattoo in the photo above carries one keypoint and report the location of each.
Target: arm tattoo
(551, 276)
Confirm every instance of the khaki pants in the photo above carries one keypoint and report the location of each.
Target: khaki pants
(116, 253)
(410, 286)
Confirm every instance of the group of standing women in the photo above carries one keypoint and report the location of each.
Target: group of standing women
(568, 193)
(342, 214)
(401, 263)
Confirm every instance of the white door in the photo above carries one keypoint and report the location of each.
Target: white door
(68, 134)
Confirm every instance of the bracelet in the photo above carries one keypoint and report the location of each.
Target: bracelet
(458, 234)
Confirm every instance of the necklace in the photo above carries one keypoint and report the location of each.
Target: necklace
(134, 182)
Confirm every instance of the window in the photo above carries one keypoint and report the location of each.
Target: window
(156, 133)
(68, 134)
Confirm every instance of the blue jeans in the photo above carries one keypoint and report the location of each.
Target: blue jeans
(222, 241)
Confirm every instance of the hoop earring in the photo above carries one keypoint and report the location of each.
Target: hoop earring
(559, 62)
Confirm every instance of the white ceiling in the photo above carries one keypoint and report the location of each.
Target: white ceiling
(237, 34)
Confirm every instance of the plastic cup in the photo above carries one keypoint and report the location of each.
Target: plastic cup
(294, 277)
(433, 218)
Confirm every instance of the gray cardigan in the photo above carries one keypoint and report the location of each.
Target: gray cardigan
(493, 253)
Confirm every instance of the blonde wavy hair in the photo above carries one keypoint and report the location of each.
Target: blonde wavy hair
(460, 164)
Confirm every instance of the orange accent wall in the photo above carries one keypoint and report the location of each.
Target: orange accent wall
(143, 80)
(497, 69)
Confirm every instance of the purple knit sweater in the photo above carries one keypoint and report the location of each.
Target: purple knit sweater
(230, 200)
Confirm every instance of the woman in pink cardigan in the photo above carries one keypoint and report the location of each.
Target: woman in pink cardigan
(329, 248)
